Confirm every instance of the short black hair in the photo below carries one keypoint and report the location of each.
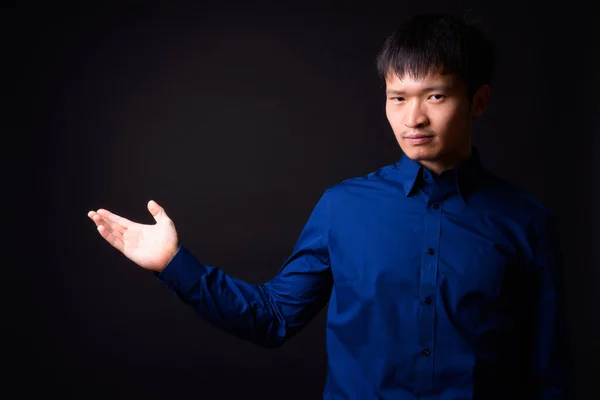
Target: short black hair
(439, 43)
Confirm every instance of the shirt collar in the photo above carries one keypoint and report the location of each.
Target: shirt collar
(463, 177)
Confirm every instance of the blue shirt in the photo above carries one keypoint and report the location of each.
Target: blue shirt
(445, 287)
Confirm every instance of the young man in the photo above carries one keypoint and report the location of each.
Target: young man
(443, 280)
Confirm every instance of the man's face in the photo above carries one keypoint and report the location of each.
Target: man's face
(431, 118)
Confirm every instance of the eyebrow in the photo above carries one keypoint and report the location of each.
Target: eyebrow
(433, 88)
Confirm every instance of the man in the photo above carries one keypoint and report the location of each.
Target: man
(443, 280)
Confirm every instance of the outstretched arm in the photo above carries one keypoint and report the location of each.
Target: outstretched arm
(267, 314)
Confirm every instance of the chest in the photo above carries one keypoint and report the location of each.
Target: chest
(406, 248)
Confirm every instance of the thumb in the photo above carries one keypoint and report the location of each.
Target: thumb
(157, 211)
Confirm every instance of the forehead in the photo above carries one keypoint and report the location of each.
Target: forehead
(410, 82)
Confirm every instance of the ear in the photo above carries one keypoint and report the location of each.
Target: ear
(481, 99)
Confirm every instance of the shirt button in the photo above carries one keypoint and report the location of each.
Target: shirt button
(435, 206)
(428, 300)
(431, 251)
(174, 282)
(426, 351)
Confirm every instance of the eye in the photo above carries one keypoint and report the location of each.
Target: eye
(397, 99)
(437, 96)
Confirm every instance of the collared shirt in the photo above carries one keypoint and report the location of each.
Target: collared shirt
(438, 287)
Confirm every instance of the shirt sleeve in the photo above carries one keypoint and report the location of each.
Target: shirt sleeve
(266, 314)
(552, 357)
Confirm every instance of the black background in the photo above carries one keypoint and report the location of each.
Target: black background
(236, 116)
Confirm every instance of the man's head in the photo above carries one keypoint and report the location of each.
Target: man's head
(437, 71)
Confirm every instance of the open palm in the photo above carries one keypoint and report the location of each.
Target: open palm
(149, 246)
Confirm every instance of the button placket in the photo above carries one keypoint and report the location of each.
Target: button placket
(427, 285)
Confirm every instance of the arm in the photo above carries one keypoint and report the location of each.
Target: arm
(266, 314)
(552, 368)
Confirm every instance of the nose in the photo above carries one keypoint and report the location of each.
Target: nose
(415, 117)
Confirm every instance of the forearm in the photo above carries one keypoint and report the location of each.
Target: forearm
(267, 314)
(237, 307)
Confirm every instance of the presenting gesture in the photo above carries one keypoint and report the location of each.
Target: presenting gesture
(149, 246)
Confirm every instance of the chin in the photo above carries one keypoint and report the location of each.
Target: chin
(420, 153)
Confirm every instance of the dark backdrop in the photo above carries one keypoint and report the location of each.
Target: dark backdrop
(236, 116)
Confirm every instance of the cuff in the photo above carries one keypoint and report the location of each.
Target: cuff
(181, 273)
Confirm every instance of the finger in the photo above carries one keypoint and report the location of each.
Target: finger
(111, 238)
(112, 226)
(92, 214)
(100, 220)
(156, 210)
(115, 218)
(109, 233)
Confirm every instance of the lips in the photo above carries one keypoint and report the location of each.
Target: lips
(418, 139)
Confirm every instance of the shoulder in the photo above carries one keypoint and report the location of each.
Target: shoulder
(511, 199)
(367, 185)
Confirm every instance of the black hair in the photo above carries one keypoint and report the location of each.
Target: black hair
(438, 43)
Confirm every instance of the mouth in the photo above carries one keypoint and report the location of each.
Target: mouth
(418, 139)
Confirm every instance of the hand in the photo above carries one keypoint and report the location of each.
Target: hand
(149, 246)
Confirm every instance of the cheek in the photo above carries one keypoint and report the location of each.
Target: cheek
(452, 122)
(389, 114)
(395, 120)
